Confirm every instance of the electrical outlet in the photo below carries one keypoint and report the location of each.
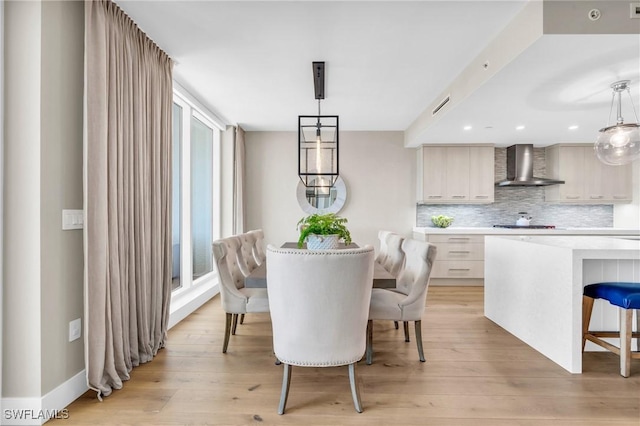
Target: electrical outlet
(75, 329)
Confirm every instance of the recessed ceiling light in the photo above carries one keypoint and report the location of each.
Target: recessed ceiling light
(519, 127)
(467, 127)
(574, 127)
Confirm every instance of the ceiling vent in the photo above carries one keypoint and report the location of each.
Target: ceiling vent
(441, 105)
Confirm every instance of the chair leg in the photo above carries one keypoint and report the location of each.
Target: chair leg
(638, 329)
(406, 331)
(587, 308)
(418, 325)
(235, 324)
(227, 332)
(396, 324)
(625, 341)
(369, 342)
(241, 318)
(286, 381)
(355, 393)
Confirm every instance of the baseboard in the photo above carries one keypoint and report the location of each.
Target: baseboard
(180, 311)
(36, 411)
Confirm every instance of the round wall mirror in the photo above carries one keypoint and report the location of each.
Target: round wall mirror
(323, 199)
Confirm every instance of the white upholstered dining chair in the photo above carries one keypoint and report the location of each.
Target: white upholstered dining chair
(391, 257)
(236, 299)
(258, 251)
(319, 303)
(407, 301)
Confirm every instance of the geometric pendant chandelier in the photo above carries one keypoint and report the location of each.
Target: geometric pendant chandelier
(318, 142)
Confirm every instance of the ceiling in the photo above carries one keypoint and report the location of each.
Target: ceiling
(249, 62)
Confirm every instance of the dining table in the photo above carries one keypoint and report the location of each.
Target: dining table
(258, 277)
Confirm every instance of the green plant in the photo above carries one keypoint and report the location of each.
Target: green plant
(323, 224)
(441, 221)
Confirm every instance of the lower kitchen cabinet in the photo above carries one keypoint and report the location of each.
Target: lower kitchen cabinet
(459, 256)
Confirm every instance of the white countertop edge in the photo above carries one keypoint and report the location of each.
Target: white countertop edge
(584, 246)
(526, 231)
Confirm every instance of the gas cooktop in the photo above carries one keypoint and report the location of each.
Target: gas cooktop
(525, 227)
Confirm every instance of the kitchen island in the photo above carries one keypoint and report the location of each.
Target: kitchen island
(533, 288)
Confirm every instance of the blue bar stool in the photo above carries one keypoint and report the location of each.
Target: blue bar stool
(626, 296)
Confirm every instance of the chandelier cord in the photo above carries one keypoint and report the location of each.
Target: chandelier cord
(613, 99)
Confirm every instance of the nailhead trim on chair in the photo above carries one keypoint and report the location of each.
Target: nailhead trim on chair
(316, 364)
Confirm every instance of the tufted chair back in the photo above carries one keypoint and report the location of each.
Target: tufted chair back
(414, 277)
(258, 247)
(247, 246)
(225, 255)
(395, 256)
(383, 250)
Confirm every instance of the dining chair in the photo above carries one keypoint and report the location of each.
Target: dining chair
(258, 252)
(395, 256)
(236, 299)
(407, 301)
(391, 257)
(247, 259)
(319, 303)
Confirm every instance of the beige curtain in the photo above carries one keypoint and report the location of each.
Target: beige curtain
(127, 194)
(238, 182)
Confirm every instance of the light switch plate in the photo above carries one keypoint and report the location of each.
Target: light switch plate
(635, 10)
(72, 219)
(75, 329)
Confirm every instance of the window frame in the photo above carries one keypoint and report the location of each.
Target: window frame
(190, 290)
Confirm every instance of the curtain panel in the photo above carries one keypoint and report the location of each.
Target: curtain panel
(238, 181)
(127, 196)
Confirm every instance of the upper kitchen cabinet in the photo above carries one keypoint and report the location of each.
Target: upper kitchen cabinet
(458, 174)
(587, 180)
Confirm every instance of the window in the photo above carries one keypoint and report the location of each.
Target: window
(195, 195)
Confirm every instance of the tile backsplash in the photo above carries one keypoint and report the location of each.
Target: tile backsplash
(511, 200)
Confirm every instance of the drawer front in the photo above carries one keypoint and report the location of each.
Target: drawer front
(457, 239)
(460, 251)
(458, 269)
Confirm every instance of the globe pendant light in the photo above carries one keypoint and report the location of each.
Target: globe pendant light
(619, 144)
(318, 142)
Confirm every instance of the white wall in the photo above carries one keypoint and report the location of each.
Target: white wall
(379, 173)
(21, 305)
(628, 215)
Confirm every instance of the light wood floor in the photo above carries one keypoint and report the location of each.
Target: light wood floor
(475, 374)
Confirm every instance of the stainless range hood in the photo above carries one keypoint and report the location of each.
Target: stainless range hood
(520, 168)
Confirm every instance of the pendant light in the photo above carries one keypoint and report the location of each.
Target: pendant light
(318, 142)
(619, 144)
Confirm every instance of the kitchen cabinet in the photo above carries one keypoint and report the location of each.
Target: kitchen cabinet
(458, 174)
(458, 256)
(587, 179)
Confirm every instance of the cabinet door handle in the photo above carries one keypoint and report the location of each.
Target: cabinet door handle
(458, 196)
(596, 197)
(573, 197)
(458, 238)
(481, 196)
(619, 197)
(459, 251)
(434, 196)
(459, 269)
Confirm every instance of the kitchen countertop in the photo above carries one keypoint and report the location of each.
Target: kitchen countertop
(526, 231)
